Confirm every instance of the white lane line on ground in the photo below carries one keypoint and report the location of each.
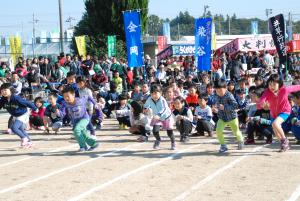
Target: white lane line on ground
(295, 195)
(135, 171)
(96, 157)
(210, 177)
(30, 157)
(45, 153)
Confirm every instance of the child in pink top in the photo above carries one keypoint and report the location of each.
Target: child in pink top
(36, 117)
(276, 99)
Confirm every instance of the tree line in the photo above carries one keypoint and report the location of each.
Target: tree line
(105, 17)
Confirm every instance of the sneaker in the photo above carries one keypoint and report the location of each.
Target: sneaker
(223, 148)
(41, 128)
(9, 131)
(156, 144)
(125, 127)
(185, 139)
(261, 137)
(121, 127)
(94, 137)
(98, 127)
(249, 142)
(82, 150)
(269, 141)
(240, 145)
(284, 146)
(173, 146)
(57, 131)
(47, 131)
(210, 134)
(181, 139)
(142, 139)
(93, 147)
(28, 145)
(24, 141)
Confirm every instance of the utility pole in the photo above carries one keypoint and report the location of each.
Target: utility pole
(178, 31)
(205, 8)
(220, 26)
(268, 13)
(70, 19)
(61, 26)
(34, 21)
(290, 27)
(229, 25)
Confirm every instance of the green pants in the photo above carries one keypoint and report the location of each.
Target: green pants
(80, 133)
(234, 125)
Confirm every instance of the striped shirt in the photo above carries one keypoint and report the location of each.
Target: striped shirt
(230, 107)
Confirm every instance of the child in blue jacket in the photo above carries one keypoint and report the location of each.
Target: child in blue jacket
(17, 107)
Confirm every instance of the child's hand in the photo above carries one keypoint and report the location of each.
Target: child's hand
(156, 117)
(214, 109)
(221, 107)
(266, 106)
(179, 117)
(57, 111)
(192, 108)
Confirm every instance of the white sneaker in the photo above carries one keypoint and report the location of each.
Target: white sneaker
(28, 145)
(24, 141)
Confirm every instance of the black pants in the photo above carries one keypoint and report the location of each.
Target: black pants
(108, 109)
(36, 121)
(203, 125)
(242, 114)
(124, 83)
(124, 120)
(264, 130)
(184, 127)
(170, 133)
(143, 131)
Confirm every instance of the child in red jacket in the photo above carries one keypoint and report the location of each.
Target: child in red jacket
(36, 117)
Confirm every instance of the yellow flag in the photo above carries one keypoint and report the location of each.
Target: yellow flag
(214, 41)
(80, 43)
(15, 48)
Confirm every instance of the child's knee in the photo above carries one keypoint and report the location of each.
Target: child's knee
(276, 124)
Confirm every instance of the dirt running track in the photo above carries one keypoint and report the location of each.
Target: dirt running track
(123, 169)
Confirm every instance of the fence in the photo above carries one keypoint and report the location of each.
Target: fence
(45, 49)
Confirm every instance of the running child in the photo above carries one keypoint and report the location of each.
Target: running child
(226, 106)
(276, 98)
(162, 116)
(17, 107)
(85, 92)
(76, 108)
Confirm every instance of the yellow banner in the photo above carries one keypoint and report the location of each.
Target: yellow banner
(214, 41)
(80, 43)
(15, 48)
